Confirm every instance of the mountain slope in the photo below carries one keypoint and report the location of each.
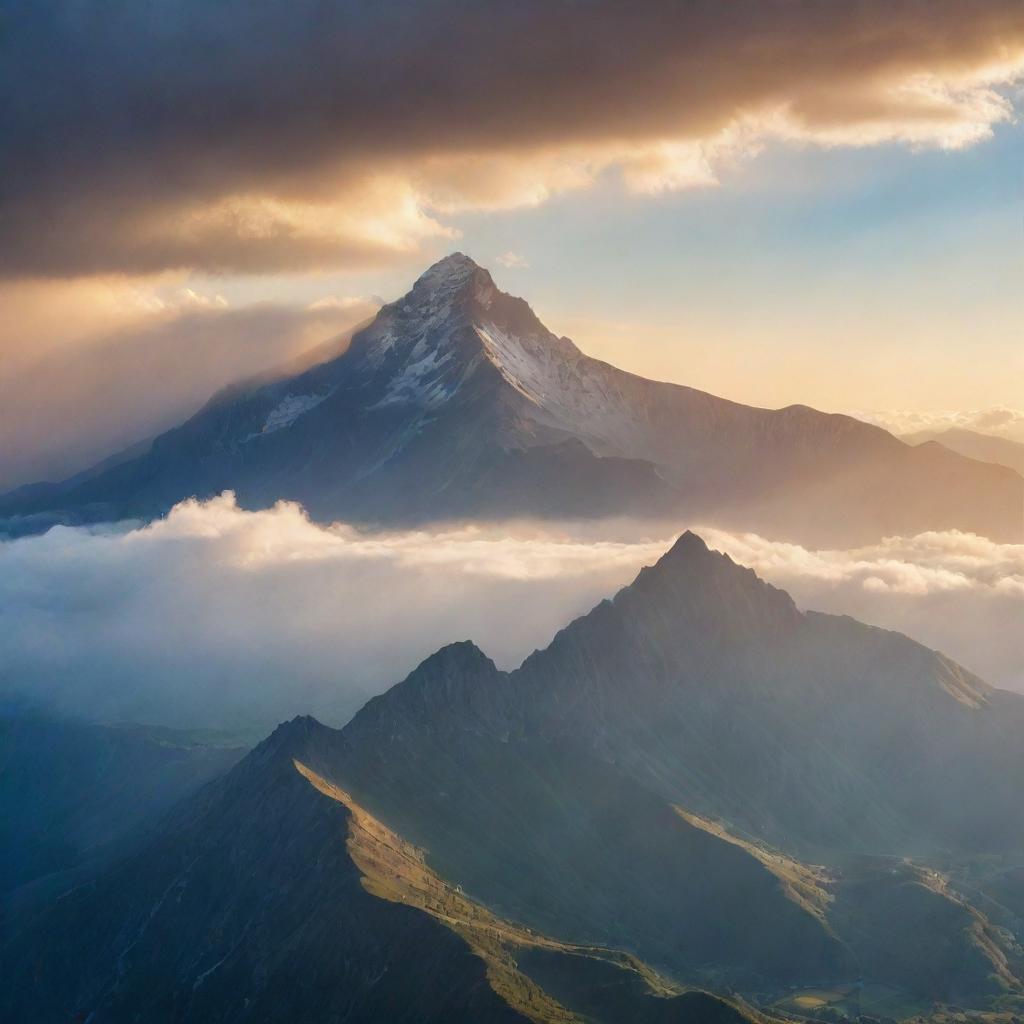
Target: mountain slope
(708, 686)
(974, 445)
(457, 401)
(73, 792)
(704, 689)
(701, 694)
(242, 910)
(274, 897)
(695, 776)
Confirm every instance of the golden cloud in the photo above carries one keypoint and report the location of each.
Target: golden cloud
(345, 136)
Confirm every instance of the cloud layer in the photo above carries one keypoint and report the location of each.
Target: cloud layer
(221, 617)
(253, 136)
(999, 421)
(217, 616)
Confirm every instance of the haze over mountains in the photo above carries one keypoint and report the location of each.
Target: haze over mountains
(128, 386)
(457, 402)
(695, 776)
(74, 792)
(469, 658)
(695, 804)
(975, 445)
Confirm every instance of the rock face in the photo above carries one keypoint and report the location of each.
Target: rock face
(456, 401)
(695, 775)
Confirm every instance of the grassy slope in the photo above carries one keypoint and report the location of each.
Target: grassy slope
(395, 870)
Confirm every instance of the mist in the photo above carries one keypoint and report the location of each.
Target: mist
(224, 618)
(137, 381)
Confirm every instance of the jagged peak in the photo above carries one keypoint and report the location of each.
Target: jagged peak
(454, 265)
(711, 576)
(690, 553)
(455, 273)
(454, 323)
(289, 738)
(462, 657)
(687, 542)
(702, 591)
(449, 678)
(690, 556)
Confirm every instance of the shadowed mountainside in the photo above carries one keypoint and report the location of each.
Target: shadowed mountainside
(696, 786)
(72, 792)
(274, 897)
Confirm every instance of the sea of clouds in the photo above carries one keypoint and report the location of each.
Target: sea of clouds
(225, 618)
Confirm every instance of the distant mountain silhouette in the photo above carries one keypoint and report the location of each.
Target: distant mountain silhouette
(974, 445)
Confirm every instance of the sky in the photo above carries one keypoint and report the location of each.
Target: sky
(782, 201)
(778, 201)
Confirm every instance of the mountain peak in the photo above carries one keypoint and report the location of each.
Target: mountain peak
(456, 400)
(460, 659)
(289, 739)
(700, 583)
(451, 273)
(425, 347)
(687, 542)
(454, 677)
(691, 556)
(453, 263)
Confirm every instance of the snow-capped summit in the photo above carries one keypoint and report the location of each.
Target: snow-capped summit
(457, 401)
(453, 325)
(448, 272)
(454, 278)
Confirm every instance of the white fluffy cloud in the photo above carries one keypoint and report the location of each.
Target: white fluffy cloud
(217, 616)
(999, 421)
(223, 617)
(512, 260)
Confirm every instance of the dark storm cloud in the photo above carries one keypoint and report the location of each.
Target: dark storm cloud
(141, 135)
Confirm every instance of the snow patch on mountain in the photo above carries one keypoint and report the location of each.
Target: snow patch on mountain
(519, 367)
(422, 381)
(570, 390)
(288, 410)
(447, 274)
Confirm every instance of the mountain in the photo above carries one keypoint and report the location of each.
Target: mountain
(696, 788)
(456, 401)
(817, 768)
(974, 445)
(274, 897)
(71, 792)
(710, 687)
